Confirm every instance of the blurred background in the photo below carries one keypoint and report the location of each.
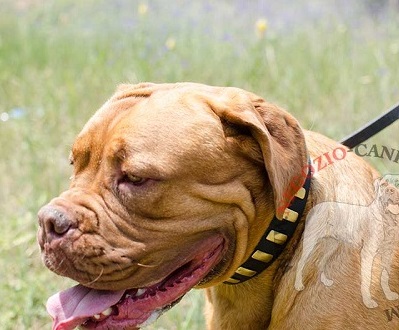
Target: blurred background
(333, 64)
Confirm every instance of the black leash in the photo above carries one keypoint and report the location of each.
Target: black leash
(372, 128)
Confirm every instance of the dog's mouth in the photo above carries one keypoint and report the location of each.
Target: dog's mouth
(129, 309)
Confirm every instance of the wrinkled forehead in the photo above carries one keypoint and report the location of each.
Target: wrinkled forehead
(165, 127)
(180, 112)
(168, 118)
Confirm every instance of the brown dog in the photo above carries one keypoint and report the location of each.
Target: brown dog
(178, 186)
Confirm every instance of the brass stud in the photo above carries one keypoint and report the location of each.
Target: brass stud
(262, 256)
(276, 237)
(301, 193)
(245, 271)
(233, 281)
(290, 215)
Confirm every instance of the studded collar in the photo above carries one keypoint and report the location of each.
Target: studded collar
(275, 238)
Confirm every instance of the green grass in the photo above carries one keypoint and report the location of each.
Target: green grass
(60, 60)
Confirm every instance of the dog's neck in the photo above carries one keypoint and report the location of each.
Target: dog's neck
(258, 290)
(275, 238)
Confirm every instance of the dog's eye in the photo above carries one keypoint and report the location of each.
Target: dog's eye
(134, 179)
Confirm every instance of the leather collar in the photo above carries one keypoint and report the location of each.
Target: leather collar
(275, 238)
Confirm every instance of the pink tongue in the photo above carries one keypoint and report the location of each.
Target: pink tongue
(72, 307)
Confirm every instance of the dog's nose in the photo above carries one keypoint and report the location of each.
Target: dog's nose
(54, 222)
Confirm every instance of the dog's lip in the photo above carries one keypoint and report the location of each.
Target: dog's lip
(130, 309)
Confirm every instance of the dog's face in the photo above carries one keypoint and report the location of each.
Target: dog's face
(162, 198)
(390, 193)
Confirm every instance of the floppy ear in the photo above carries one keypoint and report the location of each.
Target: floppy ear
(278, 135)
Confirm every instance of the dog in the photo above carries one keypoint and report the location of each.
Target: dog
(373, 230)
(181, 186)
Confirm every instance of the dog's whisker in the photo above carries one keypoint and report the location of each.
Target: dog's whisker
(148, 266)
(96, 279)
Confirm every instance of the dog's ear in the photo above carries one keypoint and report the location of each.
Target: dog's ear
(278, 134)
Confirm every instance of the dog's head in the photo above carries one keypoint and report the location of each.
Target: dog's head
(387, 190)
(173, 185)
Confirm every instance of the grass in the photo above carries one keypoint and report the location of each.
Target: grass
(60, 60)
